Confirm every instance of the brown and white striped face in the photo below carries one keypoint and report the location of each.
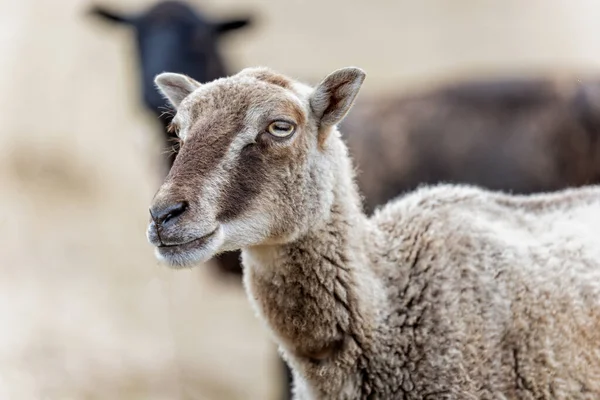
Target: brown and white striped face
(255, 162)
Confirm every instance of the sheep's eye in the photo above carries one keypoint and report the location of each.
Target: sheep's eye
(281, 129)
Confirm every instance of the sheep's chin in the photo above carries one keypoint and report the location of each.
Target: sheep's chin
(192, 253)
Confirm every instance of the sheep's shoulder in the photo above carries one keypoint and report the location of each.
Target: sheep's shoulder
(432, 212)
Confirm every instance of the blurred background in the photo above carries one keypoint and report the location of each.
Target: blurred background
(85, 310)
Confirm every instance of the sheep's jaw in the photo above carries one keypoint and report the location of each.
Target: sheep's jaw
(186, 252)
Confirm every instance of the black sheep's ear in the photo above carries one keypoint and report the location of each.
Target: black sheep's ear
(232, 25)
(110, 16)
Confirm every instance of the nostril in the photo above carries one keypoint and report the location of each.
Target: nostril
(164, 214)
(175, 211)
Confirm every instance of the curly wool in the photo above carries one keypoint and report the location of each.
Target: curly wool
(451, 292)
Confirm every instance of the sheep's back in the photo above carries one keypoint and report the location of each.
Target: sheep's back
(505, 290)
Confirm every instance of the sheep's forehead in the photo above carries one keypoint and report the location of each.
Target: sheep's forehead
(242, 101)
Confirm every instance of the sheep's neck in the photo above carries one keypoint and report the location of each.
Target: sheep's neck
(308, 291)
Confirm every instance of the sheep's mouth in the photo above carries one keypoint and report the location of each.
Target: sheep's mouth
(194, 244)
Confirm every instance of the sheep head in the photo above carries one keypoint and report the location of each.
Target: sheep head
(256, 160)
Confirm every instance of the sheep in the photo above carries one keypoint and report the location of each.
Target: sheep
(172, 36)
(522, 135)
(449, 292)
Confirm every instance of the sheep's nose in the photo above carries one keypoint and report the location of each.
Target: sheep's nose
(163, 214)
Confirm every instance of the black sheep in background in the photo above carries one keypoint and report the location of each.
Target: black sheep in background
(172, 36)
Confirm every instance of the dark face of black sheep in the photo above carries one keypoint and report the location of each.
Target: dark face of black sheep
(171, 36)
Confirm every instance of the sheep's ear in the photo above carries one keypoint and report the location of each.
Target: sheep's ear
(232, 25)
(175, 87)
(333, 98)
(109, 16)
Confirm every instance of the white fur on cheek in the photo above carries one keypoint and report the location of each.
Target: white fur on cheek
(245, 231)
(236, 146)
